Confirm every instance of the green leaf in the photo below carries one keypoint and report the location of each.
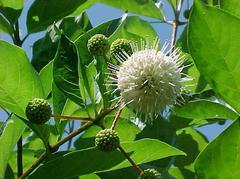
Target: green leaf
(11, 9)
(85, 58)
(204, 109)
(142, 7)
(73, 27)
(231, 6)
(185, 138)
(135, 29)
(65, 71)
(45, 48)
(215, 53)
(12, 4)
(44, 51)
(43, 13)
(81, 162)
(181, 173)
(46, 75)
(42, 131)
(4, 25)
(221, 152)
(11, 133)
(19, 84)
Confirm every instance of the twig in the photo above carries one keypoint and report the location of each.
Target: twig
(129, 159)
(116, 118)
(72, 117)
(19, 157)
(34, 165)
(176, 22)
(55, 147)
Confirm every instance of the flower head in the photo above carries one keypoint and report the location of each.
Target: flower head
(149, 80)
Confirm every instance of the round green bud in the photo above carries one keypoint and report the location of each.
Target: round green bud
(120, 46)
(38, 111)
(150, 174)
(186, 13)
(98, 44)
(107, 140)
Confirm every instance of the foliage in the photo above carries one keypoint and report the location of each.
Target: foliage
(79, 86)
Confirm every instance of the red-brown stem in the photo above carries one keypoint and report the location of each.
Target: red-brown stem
(55, 147)
(72, 117)
(130, 160)
(116, 118)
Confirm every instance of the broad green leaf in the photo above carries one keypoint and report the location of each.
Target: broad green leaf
(19, 84)
(44, 51)
(11, 9)
(11, 133)
(135, 29)
(42, 131)
(73, 27)
(220, 154)
(9, 173)
(81, 162)
(85, 58)
(19, 81)
(158, 129)
(185, 138)
(204, 109)
(29, 156)
(181, 173)
(65, 71)
(231, 6)
(142, 7)
(45, 48)
(12, 4)
(43, 13)
(215, 53)
(46, 75)
(4, 25)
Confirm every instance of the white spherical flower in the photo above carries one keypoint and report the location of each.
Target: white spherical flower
(150, 80)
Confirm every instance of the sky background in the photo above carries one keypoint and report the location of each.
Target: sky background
(98, 14)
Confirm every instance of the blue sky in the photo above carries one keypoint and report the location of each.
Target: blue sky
(98, 14)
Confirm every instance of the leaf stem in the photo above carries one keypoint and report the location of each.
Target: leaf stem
(130, 159)
(55, 147)
(72, 117)
(116, 118)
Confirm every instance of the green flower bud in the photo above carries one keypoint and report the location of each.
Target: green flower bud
(150, 174)
(120, 46)
(38, 111)
(98, 44)
(107, 140)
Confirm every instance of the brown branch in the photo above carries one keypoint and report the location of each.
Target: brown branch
(72, 117)
(55, 147)
(116, 118)
(130, 160)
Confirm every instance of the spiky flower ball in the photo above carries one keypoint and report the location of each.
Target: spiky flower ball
(121, 46)
(107, 140)
(150, 174)
(38, 111)
(149, 80)
(98, 44)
